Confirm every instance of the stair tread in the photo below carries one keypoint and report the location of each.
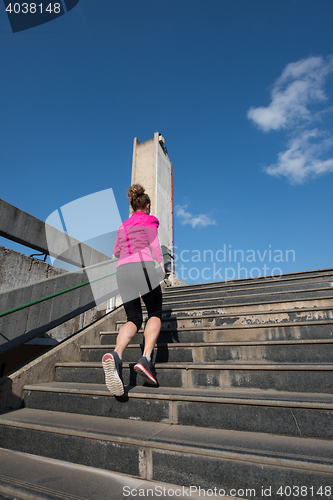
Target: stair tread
(233, 395)
(246, 286)
(230, 294)
(323, 275)
(245, 313)
(219, 344)
(241, 305)
(21, 473)
(269, 289)
(257, 364)
(235, 327)
(251, 446)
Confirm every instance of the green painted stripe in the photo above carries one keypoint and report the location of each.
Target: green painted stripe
(56, 294)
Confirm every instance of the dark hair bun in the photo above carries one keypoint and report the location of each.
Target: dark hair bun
(135, 192)
(137, 197)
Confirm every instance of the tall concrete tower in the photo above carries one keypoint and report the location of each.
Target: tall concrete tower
(152, 169)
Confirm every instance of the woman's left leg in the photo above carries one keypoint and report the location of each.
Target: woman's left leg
(112, 362)
(151, 333)
(145, 367)
(128, 279)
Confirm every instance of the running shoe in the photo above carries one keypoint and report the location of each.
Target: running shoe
(146, 370)
(113, 368)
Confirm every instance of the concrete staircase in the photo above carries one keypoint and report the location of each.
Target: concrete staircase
(244, 407)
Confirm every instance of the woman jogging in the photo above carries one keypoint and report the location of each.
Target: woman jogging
(137, 246)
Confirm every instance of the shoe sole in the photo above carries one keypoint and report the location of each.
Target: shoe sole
(141, 370)
(112, 379)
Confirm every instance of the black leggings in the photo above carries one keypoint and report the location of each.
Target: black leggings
(135, 280)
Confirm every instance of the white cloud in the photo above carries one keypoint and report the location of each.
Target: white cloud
(302, 158)
(292, 108)
(195, 220)
(300, 85)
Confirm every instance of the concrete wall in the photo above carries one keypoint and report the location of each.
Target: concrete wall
(164, 197)
(32, 310)
(23, 228)
(152, 169)
(20, 355)
(144, 169)
(17, 269)
(42, 369)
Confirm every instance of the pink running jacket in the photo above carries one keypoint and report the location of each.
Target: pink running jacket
(137, 240)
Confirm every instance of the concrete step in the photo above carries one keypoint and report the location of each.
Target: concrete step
(310, 377)
(212, 318)
(32, 477)
(231, 291)
(275, 331)
(219, 299)
(282, 413)
(248, 308)
(186, 455)
(276, 351)
(291, 278)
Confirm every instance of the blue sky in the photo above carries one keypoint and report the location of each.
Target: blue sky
(241, 90)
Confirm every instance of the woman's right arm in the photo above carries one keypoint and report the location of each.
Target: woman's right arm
(116, 248)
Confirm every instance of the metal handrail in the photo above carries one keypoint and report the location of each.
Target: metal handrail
(169, 255)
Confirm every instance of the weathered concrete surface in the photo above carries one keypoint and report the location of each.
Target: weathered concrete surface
(151, 168)
(42, 369)
(23, 228)
(173, 281)
(207, 458)
(289, 414)
(21, 478)
(20, 355)
(24, 324)
(254, 420)
(17, 269)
